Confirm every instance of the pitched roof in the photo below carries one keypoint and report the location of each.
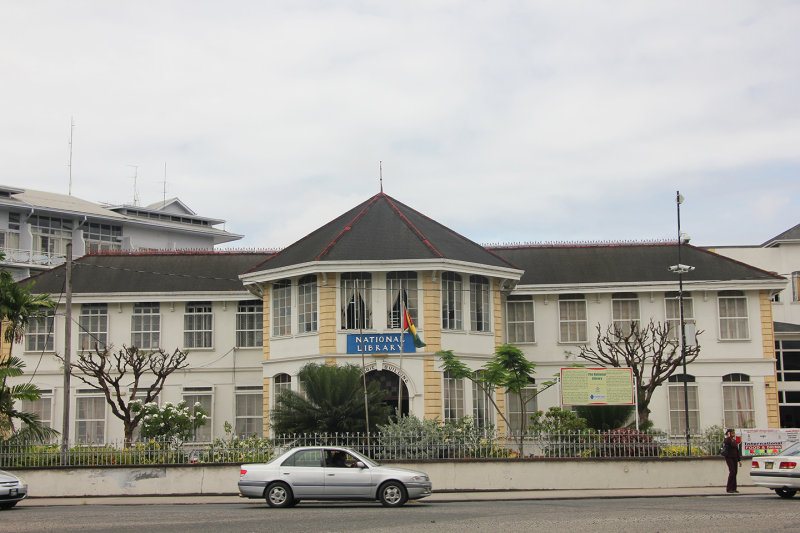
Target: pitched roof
(382, 229)
(565, 264)
(791, 234)
(150, 272)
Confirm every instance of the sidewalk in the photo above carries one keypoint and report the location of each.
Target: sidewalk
(436, 497)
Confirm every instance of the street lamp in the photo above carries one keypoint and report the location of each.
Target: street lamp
(682, 269)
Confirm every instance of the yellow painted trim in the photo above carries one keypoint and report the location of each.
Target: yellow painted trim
(768, 346)
(500, 400)
(431, 312)
(266, 325)
(327, 315)
(330, 361)
(432, 389)
(498, 313)
(266, 405)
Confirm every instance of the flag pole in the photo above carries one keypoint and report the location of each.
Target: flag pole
(402, 348)
(361, 348)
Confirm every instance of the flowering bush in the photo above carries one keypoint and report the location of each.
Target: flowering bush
(176, 423)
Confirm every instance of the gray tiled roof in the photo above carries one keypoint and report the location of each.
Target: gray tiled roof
(786, 327)
(792, 234)
(151, 272)
(623, 263)
(382, 229)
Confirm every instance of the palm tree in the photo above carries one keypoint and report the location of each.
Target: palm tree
(32, 428)
(333, 402)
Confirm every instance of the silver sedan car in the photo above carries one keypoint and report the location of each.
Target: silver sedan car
(12, 490)
(780, 473)
(330, 473)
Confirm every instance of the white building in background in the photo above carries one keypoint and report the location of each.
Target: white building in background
(781, 254)
(36, 226)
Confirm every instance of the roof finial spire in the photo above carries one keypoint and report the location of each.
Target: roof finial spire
(380, 170)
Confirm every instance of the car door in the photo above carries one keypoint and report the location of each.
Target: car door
(343, 478)
(304, 474)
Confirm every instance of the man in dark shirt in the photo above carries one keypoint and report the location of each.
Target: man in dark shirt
(733, 459)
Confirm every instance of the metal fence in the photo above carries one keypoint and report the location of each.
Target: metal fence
(455, 445)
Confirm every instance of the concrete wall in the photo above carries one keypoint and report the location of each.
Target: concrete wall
(446, 476)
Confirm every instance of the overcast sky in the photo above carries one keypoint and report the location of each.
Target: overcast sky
(506, 121)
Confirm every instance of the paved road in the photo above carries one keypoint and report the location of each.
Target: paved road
(749, 513)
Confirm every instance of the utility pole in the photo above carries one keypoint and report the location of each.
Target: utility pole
(67, 355)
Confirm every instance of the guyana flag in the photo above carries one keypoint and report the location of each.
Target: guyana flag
(408, 324)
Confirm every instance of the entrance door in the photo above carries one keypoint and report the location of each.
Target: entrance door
(389, 381)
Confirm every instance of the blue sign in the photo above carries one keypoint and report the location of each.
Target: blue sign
(380, 343)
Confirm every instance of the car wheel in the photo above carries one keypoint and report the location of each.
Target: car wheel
(279, 495)
(392, 494)
(785, 493)
(7, 505)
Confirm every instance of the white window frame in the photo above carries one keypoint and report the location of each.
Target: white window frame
(198, 325)
(356, 287)
(282, 308)
(93, 324)
(520, 320)
(480, 309)
(796, 286)
(243, 422)
(307, 306)
(737, 416)
(405, 281)
(514, 409)
(43, 406)
(102, 237)
(452, 302)
(249, 324)
(573, 319)
(625, 312)
(452, 398)
(672, 313)
(733, 327)
(82, 435)
(146, 325)
(40, 333)
(50, 235)
(280, 383)
(192, 395)
(482, 410)
(675, 403)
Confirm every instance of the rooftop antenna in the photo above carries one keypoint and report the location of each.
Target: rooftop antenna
(380, 169)
(71, 127)
(135, 176)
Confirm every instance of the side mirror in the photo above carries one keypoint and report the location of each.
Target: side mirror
(359, 464)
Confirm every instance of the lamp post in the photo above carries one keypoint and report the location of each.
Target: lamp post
(682, 269)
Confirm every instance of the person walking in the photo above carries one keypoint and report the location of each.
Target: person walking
(732, 458)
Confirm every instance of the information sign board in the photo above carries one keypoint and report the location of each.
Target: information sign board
(596, 386)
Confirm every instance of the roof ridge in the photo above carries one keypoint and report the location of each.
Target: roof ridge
(411, 225)
(577, 244)
(347, 227)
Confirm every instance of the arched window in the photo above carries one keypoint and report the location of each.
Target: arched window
(281, 382)
(737, 401)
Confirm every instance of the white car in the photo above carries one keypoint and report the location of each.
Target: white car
(330, 473)
(780, 473)
(12, 490)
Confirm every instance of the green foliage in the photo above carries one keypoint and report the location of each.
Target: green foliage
(333, 402)
(556, 420)
(232, 449)
(174, 423)
(605, 417)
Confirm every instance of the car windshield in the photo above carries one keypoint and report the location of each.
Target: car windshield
(792, 450)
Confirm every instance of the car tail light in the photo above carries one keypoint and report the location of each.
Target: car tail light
(788, 465)
(242, 472)
(755, 464)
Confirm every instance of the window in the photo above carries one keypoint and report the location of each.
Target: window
(305, 458)
(102, 237)
(93, 324)
(43, 407)
(249, 324)
(146, 326)
(204, 397)
(9, 239)
(356, 300)
(50, 235)
(673, 313)
(737, 401)
(677, 411)
(197, 325)
(249, 409)
(519, 319)
(39, 334)
(90, 418)
(401, 284)
(307, 304)
(453, 398)
(282, 308)
(572, 318)
(787, 364)
(481, 406)
(479, 310)
(624, 312)
(282, 382)
(514, 407)
(733, 323)
(796, 286)
(451, 301)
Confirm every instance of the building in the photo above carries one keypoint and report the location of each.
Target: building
(781, 254)
(36, 226)
(337, 296)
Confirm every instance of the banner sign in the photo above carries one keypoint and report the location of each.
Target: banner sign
(767, 441)
(596, 386)
(380, 343)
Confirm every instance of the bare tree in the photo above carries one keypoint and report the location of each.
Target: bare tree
(143, 372)
(652, 351)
